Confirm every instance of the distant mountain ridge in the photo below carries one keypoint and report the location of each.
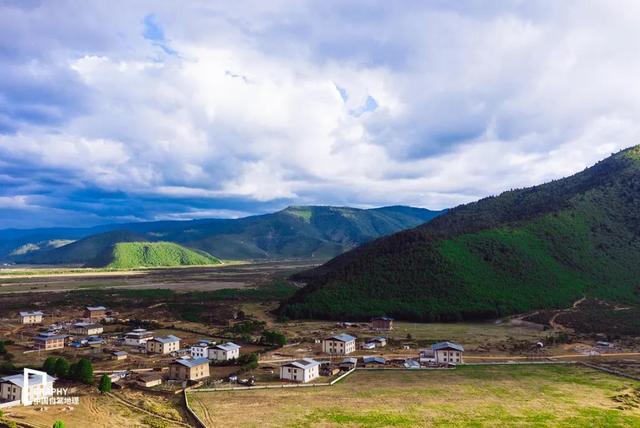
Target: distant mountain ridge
(539, 247)
(295, 232)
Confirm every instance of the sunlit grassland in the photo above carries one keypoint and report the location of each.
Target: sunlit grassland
(472, 396)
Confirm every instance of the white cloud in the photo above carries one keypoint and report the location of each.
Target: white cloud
(470, 101)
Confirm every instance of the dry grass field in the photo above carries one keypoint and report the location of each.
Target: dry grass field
(471, 396)
(101, 412)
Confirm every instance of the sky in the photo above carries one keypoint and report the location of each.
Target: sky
(118, 111)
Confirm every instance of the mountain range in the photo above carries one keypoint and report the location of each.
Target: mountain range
(539, 247)
(319, 232)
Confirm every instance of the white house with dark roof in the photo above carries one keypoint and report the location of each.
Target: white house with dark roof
(26, 388)
(340, 344)
(201, 349)
(447, 353)
(138, 337)
(303, 370)
(86, 329)
(31, 317)
(163, 345)
(224, 352)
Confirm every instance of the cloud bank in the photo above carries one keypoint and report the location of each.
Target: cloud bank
(124, 111)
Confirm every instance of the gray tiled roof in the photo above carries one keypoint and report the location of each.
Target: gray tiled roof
(447, 345)
(168, 339)
(342, 337)
(191, 363)
(305, 363)
(229, 346)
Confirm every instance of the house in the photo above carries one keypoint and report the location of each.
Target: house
(382, 323)
(95, 313)
(374, 360)
(163, 345)
(348, 363)
(378, 342)
(303, 370)
(201, 349)
(427, 356)
(448, 353)
(26, 388)
(341, 344)
(48, 341)
(183, 369)
(119, 355)
(224, 352)
(138, 337)
(149, 380)
(86, 329)
(31, 317)
(411, 364)
(94, 341)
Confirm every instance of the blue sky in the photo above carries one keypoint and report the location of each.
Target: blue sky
(123, 111)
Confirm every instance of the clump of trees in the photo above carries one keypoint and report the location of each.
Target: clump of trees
(273, 338)
(80, 371)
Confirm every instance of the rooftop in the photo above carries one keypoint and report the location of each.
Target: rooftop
(19, 379)
(96, 308)
(229, 346)
(305, 363)
(381, 319)
(377, 360)
(49, 336)
(191, 363)
(447, 345)
(30, 313)
(119, 353)
(169, 339)
(342, 337)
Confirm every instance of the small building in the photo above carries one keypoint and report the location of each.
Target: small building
(378, 342)
(138, 337)
(86, 329)
(374, 361)
(26, 388)
(427, 356)
(201, 349)
(31, 317)
(95, 313)
(149, 380)
(183, 369)
(382, 323)
(119, 355)
(303, 370)
(411, 364)
(340, 344)
(94, 341)
(163, 345)
(224, 352)
(48, 341)
(448, 353)
(368, 345)
(348, 364)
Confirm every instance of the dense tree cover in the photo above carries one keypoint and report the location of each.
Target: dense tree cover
(80, 371)
(61, 368)
(273, 338)
(541, 247)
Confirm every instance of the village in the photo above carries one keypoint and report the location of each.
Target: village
(57, 362)
(176, 363)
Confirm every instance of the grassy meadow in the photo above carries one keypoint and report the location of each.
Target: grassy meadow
(470, 396)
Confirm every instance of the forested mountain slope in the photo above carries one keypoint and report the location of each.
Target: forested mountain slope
(539, 247)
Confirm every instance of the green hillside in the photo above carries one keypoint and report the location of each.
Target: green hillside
(126, 255)
(295, 232)
(540, 247)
